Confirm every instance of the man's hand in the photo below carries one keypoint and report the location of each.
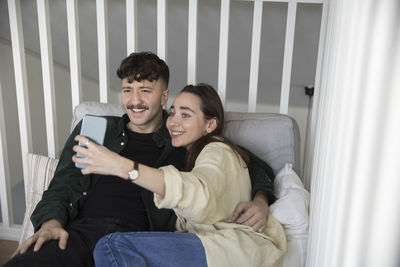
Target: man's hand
(253, 214)
(51, 229)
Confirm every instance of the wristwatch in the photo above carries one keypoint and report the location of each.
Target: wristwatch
(133, 174)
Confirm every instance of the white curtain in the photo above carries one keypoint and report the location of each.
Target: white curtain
(355, 205)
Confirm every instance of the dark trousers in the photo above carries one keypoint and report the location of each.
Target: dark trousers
(83, 236)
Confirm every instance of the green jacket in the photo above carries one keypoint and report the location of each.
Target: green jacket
(69, 187)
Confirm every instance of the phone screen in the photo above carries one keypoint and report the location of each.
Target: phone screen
(94, 128)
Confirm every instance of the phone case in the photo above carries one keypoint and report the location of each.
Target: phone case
(94, 128)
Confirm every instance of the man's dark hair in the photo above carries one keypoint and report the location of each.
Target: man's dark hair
(143, 66)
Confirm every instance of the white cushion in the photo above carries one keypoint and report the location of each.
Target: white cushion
(291, 209)
(40, 172)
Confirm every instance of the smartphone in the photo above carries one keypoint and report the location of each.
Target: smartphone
(94, 128)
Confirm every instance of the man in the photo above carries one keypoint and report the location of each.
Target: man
(77, 209)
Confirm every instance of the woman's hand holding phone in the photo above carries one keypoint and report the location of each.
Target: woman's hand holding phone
(94, 129)
(100, 160)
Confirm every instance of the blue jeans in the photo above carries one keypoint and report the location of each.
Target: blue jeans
(152, 249)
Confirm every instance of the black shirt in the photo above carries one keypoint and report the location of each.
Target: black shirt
(115, 197)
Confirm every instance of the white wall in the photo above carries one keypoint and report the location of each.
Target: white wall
(36, 101)
(240, 24)
(10, 111)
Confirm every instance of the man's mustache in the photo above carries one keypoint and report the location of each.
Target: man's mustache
(137, 107)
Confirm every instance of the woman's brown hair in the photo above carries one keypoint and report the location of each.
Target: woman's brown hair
(212, 108)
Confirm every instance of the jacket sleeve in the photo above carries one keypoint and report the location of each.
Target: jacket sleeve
(196, 195)
(57, 202)
(262, 176)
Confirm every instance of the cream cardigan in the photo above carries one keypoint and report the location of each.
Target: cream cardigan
(204, 200)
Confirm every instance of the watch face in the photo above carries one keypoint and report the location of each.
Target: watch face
(133, 174)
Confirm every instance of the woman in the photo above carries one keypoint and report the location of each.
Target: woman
(216, 176)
